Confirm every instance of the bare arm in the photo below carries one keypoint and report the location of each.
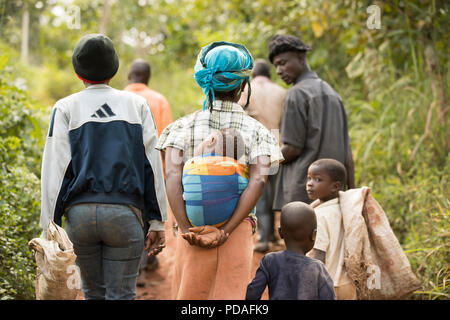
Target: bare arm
(258, 176)
(174, 172)
(319, 255)
(290, 153)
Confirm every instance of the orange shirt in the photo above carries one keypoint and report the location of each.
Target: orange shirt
(158, 104)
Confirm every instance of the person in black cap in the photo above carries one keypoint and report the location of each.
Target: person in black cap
(314, 123)
(100, 170)
(94, 59)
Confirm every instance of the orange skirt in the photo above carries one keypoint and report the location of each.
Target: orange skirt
(221, 273)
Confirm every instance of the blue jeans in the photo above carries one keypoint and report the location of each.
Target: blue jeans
(108, 240)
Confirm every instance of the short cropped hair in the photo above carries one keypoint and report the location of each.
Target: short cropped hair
(333, 168)
(140, 71)
(261, 68)
(284, 43)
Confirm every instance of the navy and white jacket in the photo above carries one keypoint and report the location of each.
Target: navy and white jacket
(100, 148)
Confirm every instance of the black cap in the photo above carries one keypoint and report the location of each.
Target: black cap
(94, 58)
(282, 43)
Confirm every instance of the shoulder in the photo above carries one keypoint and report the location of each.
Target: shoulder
(262, 141)
(314, 263)
(158, 95)
(261, 133)
(180, 125)
(272, 258)
(130, 96)
(254, 124)
(298, 92)
(315, 266)
(276, 91)
(156, 99)
(316, 87)
(323, 218)
(327, 88)
(131, 100)
(250, 121)
(185, 120)
(66, 101)
(277, 87)
(328, 208)
(310, 87)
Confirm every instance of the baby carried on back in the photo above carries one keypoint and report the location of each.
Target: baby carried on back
(213, 179)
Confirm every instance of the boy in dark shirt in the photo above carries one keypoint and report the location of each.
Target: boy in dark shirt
(290, 274)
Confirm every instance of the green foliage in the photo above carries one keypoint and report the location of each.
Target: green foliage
(404, 160)
(20, 148)
(399, 137)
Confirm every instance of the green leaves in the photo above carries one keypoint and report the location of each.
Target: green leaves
(380, 74)
(20, 148)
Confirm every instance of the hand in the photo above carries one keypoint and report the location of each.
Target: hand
(205, 236)
(156, 241)
(223, 237)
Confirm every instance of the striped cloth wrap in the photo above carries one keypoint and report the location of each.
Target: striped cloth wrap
(212, 186)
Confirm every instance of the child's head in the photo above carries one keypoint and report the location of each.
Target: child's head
(298, 226)
(224, 142)
(325, 178)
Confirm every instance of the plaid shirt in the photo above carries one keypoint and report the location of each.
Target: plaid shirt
(187, 132)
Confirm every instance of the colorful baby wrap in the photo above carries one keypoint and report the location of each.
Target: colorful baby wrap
(212, 187)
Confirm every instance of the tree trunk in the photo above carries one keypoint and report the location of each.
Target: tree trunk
(105, 16)
(25, 29)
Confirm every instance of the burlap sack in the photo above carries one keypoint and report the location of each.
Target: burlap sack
(374, 259)
(57, 276)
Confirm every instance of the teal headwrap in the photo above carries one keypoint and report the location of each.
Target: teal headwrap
(222, 66)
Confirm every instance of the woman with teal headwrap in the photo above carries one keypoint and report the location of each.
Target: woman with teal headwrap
(215, 262)
(222, 67)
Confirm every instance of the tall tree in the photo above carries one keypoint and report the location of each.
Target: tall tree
(25, 33)
(105, 16)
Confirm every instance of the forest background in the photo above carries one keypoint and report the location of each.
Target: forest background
(387, 59)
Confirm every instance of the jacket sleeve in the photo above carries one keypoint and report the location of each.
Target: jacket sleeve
(256, 288)
(325, 284)
(55, 161)
(156, 201)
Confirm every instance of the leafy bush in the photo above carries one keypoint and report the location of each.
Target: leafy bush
(400, 151)
(20, 149)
